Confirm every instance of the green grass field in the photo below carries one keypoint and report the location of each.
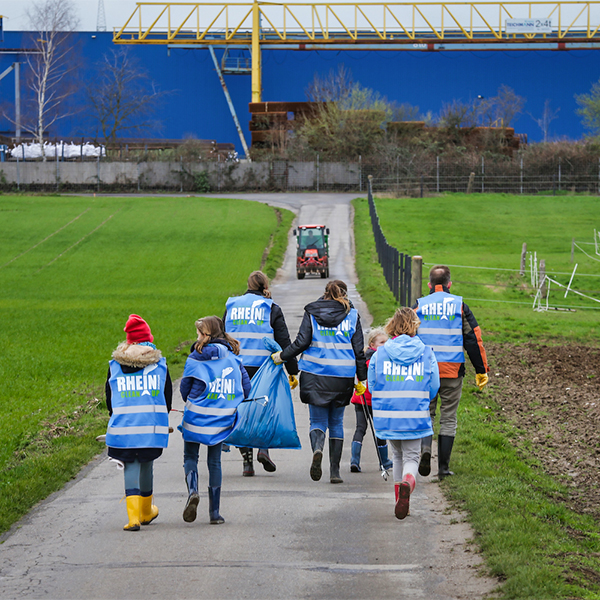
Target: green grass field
(483, 234)
(71, 271)
(536, 546)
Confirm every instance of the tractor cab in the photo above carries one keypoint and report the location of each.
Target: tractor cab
(312, 255)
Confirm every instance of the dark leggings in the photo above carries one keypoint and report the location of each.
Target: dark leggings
(361, 425)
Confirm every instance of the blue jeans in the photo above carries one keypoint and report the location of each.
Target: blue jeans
(213, 460)
(138, 478)
(328, 417)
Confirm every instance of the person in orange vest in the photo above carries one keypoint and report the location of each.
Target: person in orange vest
(450, 328)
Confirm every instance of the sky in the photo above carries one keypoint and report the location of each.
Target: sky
(116, 11)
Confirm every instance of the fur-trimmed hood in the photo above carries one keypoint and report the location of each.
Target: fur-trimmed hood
(135, 355)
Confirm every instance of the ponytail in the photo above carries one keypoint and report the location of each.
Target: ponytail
(337, 290)
(259, 282)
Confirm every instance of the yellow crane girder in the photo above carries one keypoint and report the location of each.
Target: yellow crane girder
(359, 25)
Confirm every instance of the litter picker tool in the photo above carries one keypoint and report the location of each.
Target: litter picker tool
(384, 471)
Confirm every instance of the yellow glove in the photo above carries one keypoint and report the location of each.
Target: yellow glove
(360, 388)
(293, 381)
(481, 379)
(276, 356)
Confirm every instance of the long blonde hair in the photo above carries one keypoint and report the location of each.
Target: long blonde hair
(337, 290)
(403, 322)
(374, 334)
(259, 282)
(212, 328)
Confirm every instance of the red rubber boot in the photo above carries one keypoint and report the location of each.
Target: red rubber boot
(403, 492)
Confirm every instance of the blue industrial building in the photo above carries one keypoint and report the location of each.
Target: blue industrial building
(196, 106)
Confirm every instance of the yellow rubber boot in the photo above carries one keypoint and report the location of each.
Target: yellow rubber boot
(133, 512)
(148, 512)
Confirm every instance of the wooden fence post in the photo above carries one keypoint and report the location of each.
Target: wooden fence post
(416, 283)
(523, 259)
(470, 184)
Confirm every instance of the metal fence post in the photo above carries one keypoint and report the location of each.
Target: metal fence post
(482, 174)
(360, 172)
(437, 160)
(317, 172)
(521, 174)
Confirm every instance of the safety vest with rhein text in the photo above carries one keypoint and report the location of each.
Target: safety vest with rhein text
(248, 320)
(139, 411)
(400, 397)
(210, 418)
(330, 352)
(440, 314)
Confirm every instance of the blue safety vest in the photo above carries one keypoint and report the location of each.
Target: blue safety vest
(139, 411)
(400, 397)
(210, 418)
(330, 352)
(440, 314)
(248, 320)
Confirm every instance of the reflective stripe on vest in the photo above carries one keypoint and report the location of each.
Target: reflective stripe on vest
(400, 397)
(139, 412)
(330, 352)
(210, 418)
(248, 320)
(440, 314)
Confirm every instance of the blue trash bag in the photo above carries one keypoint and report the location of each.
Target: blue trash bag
(267, 423)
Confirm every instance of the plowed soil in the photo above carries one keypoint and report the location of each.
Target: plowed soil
(552, 395)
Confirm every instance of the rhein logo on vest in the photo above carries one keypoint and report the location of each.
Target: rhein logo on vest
(131, 386)
(222, 387)
(248, 315)
(344, 327)
(439, 311)
(395, 372)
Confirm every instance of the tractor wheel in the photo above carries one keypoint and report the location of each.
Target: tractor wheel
(323, 274)
(300, 275)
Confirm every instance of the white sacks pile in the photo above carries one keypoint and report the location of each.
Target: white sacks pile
(51, 151)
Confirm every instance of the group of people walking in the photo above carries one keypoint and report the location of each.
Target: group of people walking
(394, 383)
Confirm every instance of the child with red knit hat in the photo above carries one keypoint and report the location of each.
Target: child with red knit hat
(138, 397)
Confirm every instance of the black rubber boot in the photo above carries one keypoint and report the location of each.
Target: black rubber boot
(425, 462)
(317, 443)
(189, 512)
(335, 456)
(248, 466)
(214, 501)
(445, 443)
(262, 456)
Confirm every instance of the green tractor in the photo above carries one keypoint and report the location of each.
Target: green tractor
(312, 250)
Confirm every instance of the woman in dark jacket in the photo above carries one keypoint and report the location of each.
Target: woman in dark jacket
(331, 339)
(138, 378)
(256, 302)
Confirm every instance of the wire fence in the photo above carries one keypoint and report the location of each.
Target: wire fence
(396, 265)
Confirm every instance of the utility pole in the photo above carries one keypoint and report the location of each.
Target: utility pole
(101, 17)
(17, 67)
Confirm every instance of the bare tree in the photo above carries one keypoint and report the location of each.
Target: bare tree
(500, 110)
(122, 97)
(457, 114)
(336, 86)
(548, 115)
(50, 65)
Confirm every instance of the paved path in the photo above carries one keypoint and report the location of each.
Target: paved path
(285, 536)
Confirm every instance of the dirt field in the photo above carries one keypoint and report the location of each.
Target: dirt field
(553, 394)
